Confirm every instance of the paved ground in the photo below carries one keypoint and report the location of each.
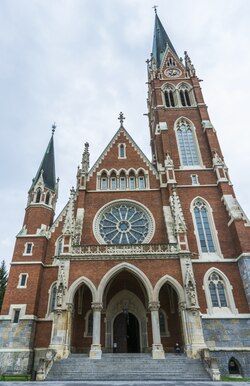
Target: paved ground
(124, 383)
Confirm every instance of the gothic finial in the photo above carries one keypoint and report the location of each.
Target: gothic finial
(189, 65)
(121, 119)
(53, 128)
(85, 158)
(155, 8)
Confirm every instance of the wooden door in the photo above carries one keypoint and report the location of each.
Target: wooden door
(120, 334)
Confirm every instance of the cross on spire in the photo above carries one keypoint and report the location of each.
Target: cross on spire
(53, 128)
(155, 8)
(121, 118)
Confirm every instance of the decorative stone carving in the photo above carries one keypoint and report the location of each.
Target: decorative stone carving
(169, 163)
(189, 65)
(69, 222)
(85, 158)
(233, 207)
(190, 286)
(154, 306)
(169, 222)
(61, 286)
(76, 240)
(217, 161)
(179, 221)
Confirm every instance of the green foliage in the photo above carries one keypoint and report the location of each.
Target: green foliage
(231, 379)
(3, 281)
(17, 378)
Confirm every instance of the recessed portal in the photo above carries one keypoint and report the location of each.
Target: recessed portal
(126, 334)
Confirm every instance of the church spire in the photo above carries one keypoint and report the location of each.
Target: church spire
(47, 166)
(161, 41)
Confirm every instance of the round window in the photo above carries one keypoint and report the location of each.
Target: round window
(124, 223)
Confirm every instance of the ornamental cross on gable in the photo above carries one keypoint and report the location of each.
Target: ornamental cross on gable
(121, 118)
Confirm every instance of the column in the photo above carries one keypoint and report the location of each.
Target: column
(96, 350)
(157, 349)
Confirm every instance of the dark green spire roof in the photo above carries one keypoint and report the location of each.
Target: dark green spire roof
(47, 167)
(160, 42)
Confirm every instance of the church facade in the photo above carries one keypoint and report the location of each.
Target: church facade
(145, 254)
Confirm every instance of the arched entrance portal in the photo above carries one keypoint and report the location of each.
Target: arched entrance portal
(126, 306)
(126, 334)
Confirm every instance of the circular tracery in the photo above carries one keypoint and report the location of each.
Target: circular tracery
(124, 223)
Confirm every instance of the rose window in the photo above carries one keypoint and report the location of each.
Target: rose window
(124, 223)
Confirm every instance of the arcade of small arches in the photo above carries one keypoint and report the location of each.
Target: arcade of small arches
(126, 314)
(42, 197)
(123, 179)
(178, 96)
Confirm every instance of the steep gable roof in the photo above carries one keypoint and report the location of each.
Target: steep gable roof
(134, 145)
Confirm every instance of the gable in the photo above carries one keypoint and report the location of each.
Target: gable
(171, 66)
(134, 157)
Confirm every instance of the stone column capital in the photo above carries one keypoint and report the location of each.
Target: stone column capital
(154, 306)
(96, 306)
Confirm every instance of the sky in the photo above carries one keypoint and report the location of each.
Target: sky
(80, 62)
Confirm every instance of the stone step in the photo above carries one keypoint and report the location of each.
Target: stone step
(139, 367)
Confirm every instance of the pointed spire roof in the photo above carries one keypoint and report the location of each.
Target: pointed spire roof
(47, 166)
(161, 41)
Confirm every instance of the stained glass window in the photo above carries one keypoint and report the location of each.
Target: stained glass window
(124, 223)
(203, 227)
(217, 291)
(188, 149)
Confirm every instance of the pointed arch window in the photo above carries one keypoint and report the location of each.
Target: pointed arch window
(141, 181)
(185, 95)
(132, 181)
(163, 323)
(59, 246)
(52, 300)
(169, 96)
(203, 226)
(113, 181)
(187, 144)
(219, 293)
(38, 195)
(217, 290)
(122, 181)
(104, 181)
(89, 323)
(47, 199)
(121, 150)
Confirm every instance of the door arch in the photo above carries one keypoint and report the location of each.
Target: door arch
(126, 333)
(126, 299)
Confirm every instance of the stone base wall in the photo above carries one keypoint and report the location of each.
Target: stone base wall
(16, 362)
(227, 338)
(223, 357)
(16, 346)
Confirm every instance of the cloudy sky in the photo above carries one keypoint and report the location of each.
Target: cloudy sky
(81, 62)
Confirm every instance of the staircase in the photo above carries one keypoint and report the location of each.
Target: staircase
(127, 367)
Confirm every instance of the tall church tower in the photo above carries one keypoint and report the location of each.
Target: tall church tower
(144, 254)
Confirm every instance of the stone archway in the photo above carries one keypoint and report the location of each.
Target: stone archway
(125, 299)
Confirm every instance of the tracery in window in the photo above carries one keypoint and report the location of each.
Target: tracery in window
(184, 93)
(217, 290)
(169, 96)
(124, 223)
(187, 144)
(171, 62)
(203, 225)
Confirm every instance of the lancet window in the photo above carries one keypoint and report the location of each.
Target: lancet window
(204, 227)
(217, 290)
(187, 144)
(123, 180)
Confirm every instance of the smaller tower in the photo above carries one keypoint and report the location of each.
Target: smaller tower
(42, 195)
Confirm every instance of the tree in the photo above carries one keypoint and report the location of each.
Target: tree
(3, 281)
